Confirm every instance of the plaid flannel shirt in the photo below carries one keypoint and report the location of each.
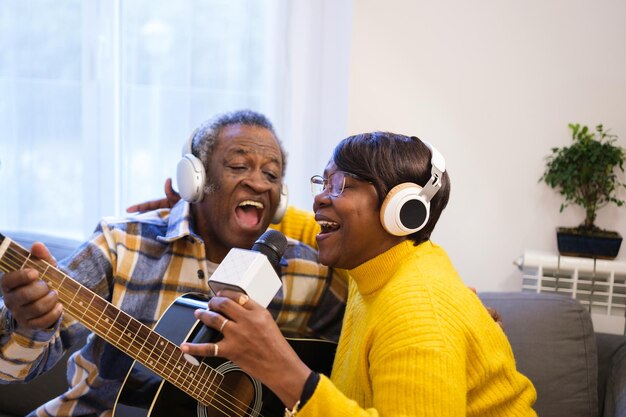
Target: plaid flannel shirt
(141, 264)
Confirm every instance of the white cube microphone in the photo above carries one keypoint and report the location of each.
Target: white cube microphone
(252, 272)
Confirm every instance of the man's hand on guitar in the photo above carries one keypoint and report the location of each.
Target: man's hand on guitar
(171, 198)
(33, 305)
(253, 341)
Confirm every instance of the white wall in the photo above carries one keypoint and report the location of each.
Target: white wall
(493, 84)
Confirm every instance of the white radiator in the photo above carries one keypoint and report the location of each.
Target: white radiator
(598, 284)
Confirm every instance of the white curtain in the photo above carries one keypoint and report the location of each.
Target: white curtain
(314, 113)
(97, 97)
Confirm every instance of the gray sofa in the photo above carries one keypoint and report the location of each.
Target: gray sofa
(576, 372)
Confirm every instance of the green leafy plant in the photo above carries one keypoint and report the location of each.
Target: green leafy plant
(586, 172)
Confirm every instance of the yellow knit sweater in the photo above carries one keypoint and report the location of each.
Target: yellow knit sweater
(417, 342)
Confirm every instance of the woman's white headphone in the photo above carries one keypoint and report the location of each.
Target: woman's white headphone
(191, 176)
(406, 207)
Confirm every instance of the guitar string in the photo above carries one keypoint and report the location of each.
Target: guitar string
(201, 394)
(15, 264)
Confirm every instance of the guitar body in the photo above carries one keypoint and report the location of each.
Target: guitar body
(145, 394)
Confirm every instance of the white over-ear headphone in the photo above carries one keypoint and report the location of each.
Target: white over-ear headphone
(191, 176)
(282, 204)
(406, 207)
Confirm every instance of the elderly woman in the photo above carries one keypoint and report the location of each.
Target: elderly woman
(415, 340)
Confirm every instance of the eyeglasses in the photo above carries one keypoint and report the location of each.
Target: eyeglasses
(334, 184)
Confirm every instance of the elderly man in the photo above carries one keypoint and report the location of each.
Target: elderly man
(143, 263)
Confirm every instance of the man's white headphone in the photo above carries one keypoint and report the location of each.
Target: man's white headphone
(191, 176)
(406, 207)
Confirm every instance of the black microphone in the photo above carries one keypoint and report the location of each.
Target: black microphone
(253, 272)
(272, 244)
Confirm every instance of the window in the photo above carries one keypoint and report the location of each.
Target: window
(98, 97)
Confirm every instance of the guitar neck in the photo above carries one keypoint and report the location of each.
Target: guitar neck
(116, 327)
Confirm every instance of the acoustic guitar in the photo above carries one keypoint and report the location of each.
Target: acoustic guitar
(164, 381)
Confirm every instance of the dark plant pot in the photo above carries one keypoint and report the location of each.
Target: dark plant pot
(603, 246)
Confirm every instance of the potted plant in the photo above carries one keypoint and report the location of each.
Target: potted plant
(586, 174)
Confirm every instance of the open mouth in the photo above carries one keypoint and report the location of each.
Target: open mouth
(327, 226)
(249, 213)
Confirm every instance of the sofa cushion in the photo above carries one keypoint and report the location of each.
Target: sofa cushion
(612, 374)
(554, 345)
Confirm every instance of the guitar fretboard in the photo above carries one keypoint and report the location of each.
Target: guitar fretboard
(131, 336)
